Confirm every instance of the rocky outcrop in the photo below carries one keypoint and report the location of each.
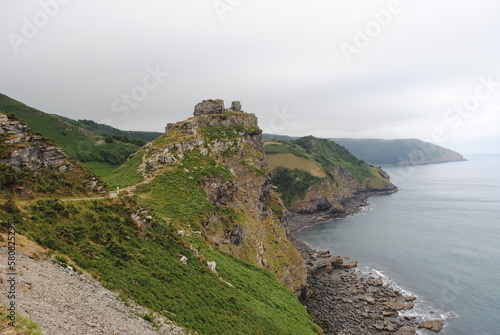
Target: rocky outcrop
(347, 301)
(29, 151)
(56, 173)
(233, 140)
(207, 107)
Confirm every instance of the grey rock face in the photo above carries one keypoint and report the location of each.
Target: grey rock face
(209, 107)
(30, 150)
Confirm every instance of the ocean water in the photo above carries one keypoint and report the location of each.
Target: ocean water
(437, 238)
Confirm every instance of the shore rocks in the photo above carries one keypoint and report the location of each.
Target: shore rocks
(434, 325)
(344, 300)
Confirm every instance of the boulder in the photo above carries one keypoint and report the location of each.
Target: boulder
(434, 325)
(405, 331)
(207, 107)
(236, 106)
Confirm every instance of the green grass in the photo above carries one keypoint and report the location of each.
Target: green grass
(23, 326)
(142, 263)
(122, 176)
(330, 154)
(291, 161)
(83, 140)
(292, 184)
(177, 193)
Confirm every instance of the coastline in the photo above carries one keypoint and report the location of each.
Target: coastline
(345, 300)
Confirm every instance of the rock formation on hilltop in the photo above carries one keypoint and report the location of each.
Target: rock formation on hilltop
(246, 213)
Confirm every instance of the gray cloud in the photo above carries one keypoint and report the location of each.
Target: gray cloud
(273, 56)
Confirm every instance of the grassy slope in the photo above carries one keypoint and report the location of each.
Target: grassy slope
(143, 264)
(82, 140)
(294, 176)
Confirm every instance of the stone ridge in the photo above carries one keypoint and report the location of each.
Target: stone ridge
(215, 107)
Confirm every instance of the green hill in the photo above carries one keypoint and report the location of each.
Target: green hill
(315, 174)
(99, 147)
(398, 152)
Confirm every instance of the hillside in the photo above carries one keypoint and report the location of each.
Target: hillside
(200, 242)
(318, 175)
(99, 147)
(389, 152)
(398, 152)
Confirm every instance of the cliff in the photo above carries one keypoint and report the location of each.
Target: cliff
(221, 152)
(318, 175)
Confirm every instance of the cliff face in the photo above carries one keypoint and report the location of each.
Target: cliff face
(241, 212)
(318, 175)
(28, 150)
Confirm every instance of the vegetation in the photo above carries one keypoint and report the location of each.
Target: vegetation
(23, 326)
(143, 263)
(122, 176)
(292, 184)
(330, 154)
(132, 245)
(83, 140)
(177, 194)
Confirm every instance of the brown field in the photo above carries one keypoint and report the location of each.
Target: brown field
(293, 162)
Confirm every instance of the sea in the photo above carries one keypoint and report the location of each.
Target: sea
(437, 238)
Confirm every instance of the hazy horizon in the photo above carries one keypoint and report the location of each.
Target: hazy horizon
(370, 69)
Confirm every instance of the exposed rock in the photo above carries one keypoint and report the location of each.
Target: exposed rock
(349, 302)
(434, 325)
(236, 106)
(207, 107)
(233, 140)
(29, 152)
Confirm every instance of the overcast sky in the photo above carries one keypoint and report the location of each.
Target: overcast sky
(360, 69)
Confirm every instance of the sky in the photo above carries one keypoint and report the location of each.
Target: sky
(329, 68)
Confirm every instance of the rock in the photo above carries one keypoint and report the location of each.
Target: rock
(434, 325)
(395, 305)
(207, 107)
(348, 265)
(322, 265)
(236, 106)
(408, 306)
(405, 331)
(211, 266)
(369, 299)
